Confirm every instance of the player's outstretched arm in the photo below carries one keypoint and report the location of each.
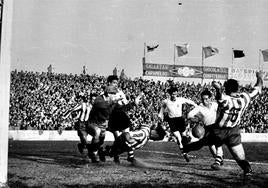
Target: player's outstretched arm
(161, 112)
(259, 76)
(218, 89)
(68, 112)
(139, 98)
(188, 101)
(193, 115)
(258, 85)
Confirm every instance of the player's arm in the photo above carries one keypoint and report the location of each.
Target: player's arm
(161, 112)
(69, 112)
(218, 89)
(258, 85)
(220, 96)
(136, 102)
(188, 101)
(193, 114)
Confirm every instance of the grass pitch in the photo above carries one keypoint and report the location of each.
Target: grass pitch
(59, 164)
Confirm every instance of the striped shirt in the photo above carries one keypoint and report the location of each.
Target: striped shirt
(231, 108)
(83, 111)
(139, 137)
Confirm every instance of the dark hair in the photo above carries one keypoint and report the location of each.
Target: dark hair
(111, 78)
(231, 85)
(206, 92)
(172, 90)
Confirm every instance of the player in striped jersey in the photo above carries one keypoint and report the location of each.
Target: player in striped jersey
(83, 109)
(133, 140)
(232, 105)
(176, 121)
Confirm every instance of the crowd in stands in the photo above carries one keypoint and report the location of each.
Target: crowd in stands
(38, 100)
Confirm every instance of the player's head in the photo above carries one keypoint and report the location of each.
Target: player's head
(173, 92)
(206, 96)
(112, 80)
(110, 92)
(231, 86)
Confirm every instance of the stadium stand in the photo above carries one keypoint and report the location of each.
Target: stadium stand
(38, 100)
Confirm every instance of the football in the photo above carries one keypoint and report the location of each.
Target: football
(198, 131)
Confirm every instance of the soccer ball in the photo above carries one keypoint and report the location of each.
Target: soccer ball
(198, 131)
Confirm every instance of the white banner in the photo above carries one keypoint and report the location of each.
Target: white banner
(246, 74)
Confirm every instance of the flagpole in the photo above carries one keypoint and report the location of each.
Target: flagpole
(174, 58)
(202, 65)
(232, 62)
(174, 61)
(144, 50)
(259, 59)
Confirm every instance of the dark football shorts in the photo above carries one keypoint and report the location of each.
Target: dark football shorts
(80, 125)
(177, 124)
(226, 135)
(119, 120)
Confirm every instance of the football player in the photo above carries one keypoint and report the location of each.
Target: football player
(176, 121)
(98, 120)
(83, 111)
(133, 140)
(232, 105)
(206, 113)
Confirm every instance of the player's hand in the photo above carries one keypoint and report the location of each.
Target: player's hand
(216, 85)
(139, 98)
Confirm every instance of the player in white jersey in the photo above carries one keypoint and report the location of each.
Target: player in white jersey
(232, 105)
(175, 119)
(206, 113)
(83, 111)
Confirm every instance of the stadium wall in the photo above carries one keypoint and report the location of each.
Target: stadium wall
(29, 135)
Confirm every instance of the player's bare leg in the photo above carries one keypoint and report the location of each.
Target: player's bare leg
(239, 155)
(83, 141)
(218, 156)
(115, 156)
(95, 144)
(177, 135)
(101, 142)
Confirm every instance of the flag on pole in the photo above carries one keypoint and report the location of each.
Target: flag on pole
(238, 53)
(210, 51)
(49, 69)
(151, 48)
(265, 55)
(182, 50)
